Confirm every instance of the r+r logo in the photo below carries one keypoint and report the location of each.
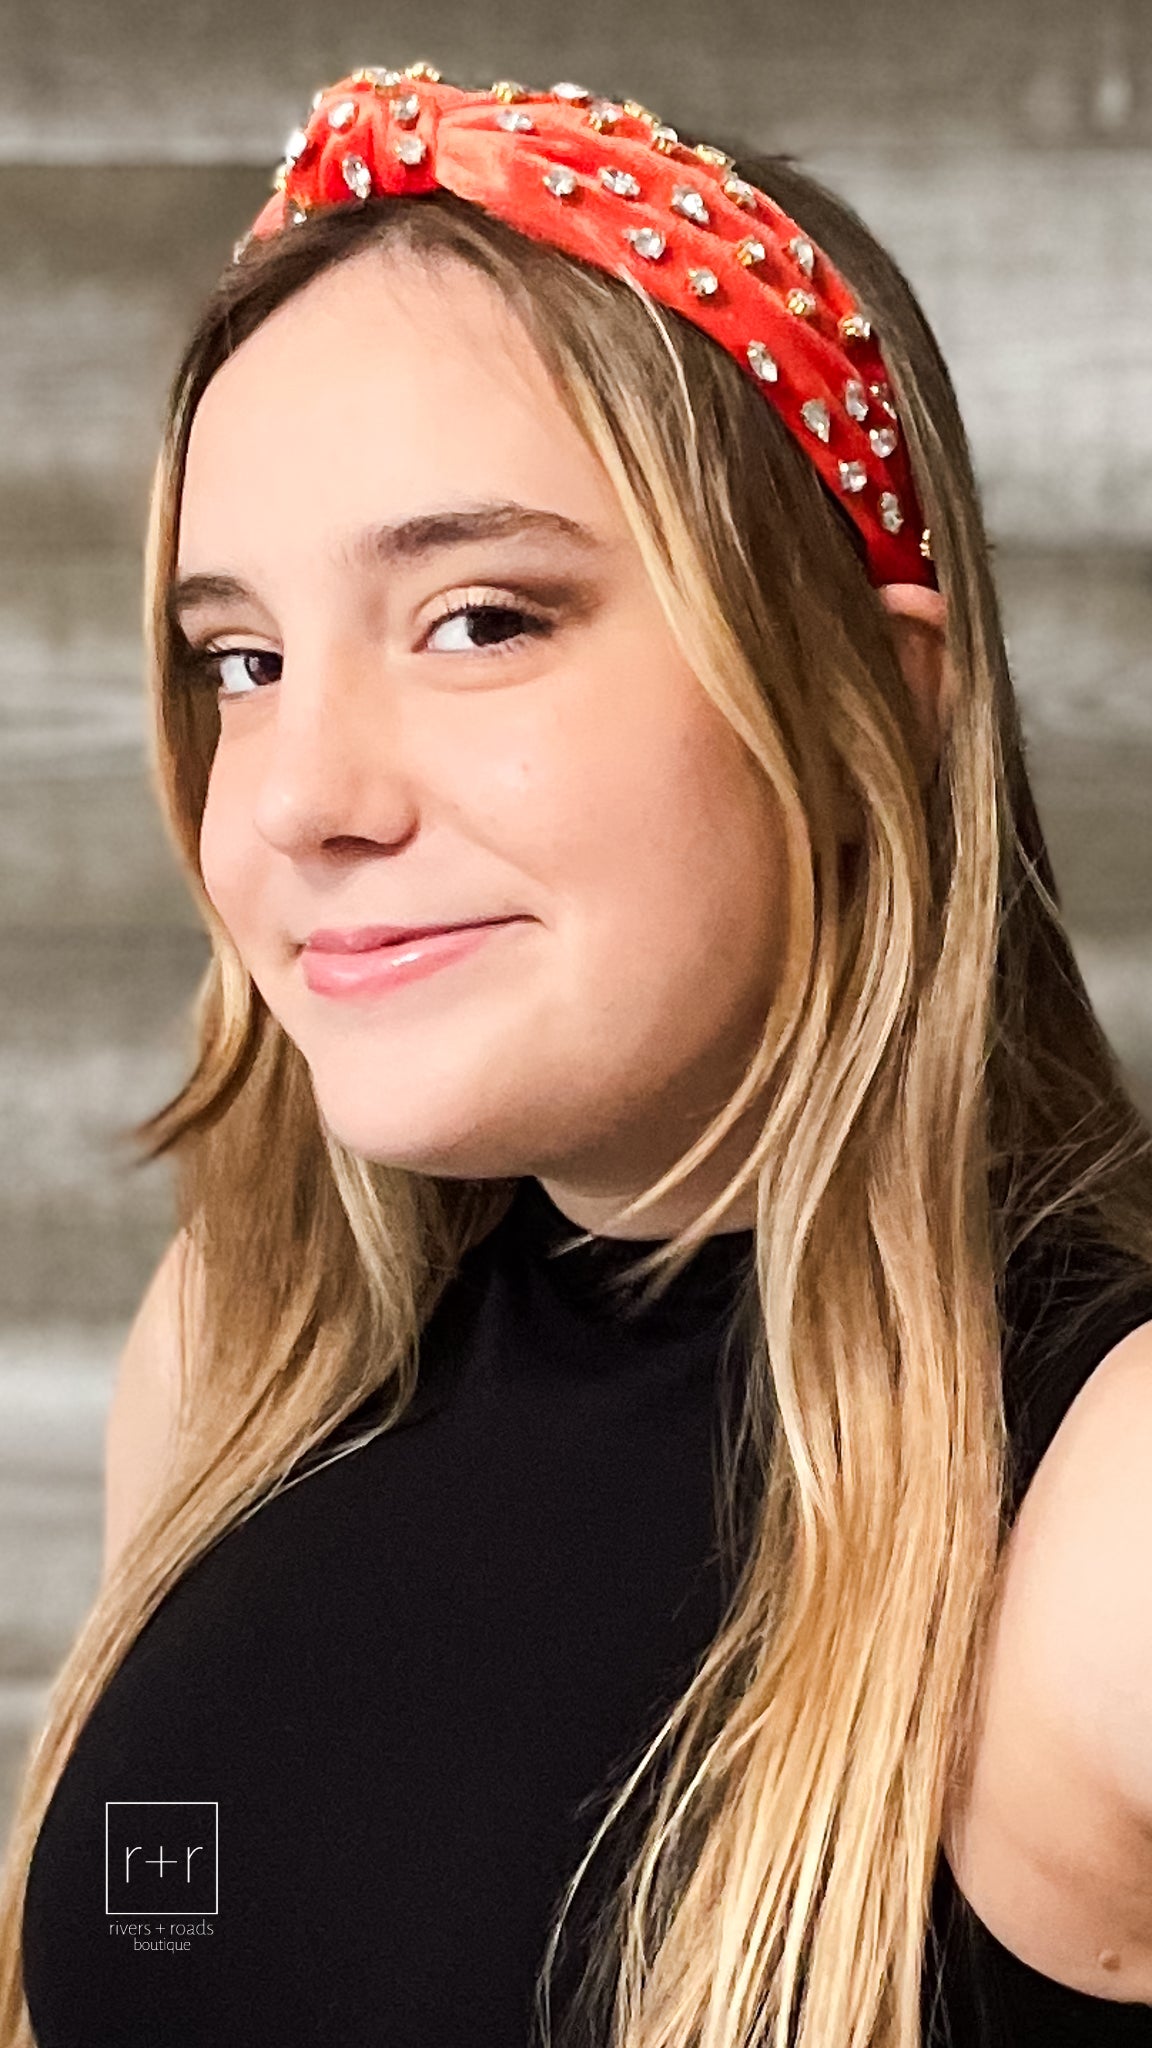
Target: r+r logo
(161, 1856)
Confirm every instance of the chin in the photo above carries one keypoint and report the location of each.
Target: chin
(456, 1151)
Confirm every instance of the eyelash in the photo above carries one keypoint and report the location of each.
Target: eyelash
(205, 660)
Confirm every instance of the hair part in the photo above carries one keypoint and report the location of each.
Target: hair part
(936, 1093)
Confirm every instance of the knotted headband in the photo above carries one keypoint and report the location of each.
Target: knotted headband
(609, 182)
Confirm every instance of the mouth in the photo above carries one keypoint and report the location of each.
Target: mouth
(368, 970)
(370, 937)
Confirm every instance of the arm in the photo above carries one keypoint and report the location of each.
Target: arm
(1052, 1845)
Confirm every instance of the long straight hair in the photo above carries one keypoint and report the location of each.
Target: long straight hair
(936, 1091)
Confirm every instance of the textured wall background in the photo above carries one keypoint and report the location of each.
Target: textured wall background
(1004, 152)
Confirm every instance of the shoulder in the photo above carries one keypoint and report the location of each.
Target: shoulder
(1066, 1698)
(1077, 1591)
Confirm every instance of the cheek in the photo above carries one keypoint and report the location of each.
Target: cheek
(666, 876)
(227, 863)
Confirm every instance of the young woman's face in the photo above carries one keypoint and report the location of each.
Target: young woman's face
(485, 717)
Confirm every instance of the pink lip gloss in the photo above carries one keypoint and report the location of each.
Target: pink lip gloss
(386, 967)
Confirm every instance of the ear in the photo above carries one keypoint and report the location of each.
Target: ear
(918, 620)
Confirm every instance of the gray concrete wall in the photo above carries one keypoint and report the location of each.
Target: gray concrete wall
(1004, 151)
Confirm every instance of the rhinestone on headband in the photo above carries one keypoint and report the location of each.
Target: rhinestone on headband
(357, 176)
(569, 167)
(691, 203)
(622, 183)
(647, 242)
(765, 365)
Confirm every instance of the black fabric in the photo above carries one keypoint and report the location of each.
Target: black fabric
(410, 1679)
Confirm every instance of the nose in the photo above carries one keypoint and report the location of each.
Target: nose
(328, 762)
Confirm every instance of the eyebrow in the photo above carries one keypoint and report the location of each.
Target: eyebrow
(403, 541)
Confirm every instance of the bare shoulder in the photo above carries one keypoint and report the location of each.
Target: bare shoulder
(141, 1420)
(1053, 1843)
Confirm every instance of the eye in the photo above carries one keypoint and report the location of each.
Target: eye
(207, 664)
(490, 621)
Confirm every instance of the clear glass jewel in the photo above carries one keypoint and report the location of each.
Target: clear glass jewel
(406, 109)
(853, 476)
(765, 365)
(801, 303)
(703, 281)
(750, 250)
(375, 74)
(566, 91)
(741, 191)
(691, 203)
(512, 118)
(709, 154)
(357, 176)
(342, 114)
(297, 214)
(422, 70)
(856, 399)
(647, 242)
(411, 149)
(507, 89)
(295, 146)
(854, 327)
(561, 182)
(664, 137)
(814, 414)
(883, 394)
(622, 183)
(801, 248)
(883, 440)
(891, 516)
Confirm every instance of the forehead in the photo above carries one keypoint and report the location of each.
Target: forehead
(382, 386)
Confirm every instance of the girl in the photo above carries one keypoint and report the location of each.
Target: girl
(625, 1494)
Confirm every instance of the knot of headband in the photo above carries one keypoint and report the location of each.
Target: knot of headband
(609, 182)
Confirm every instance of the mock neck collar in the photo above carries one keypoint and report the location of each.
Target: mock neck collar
(582, 1272)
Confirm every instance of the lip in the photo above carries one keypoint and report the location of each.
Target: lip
(360, 968)
(363, 938)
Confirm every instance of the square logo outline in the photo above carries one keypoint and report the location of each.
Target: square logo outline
(165, 1912)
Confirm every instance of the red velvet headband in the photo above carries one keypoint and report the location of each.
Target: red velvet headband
(610, 183)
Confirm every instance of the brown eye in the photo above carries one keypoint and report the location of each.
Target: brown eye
(208, 663)
(495, 626)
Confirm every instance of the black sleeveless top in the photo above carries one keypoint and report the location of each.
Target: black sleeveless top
(333, 1791)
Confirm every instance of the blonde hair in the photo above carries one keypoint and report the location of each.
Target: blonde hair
(936, 1091)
